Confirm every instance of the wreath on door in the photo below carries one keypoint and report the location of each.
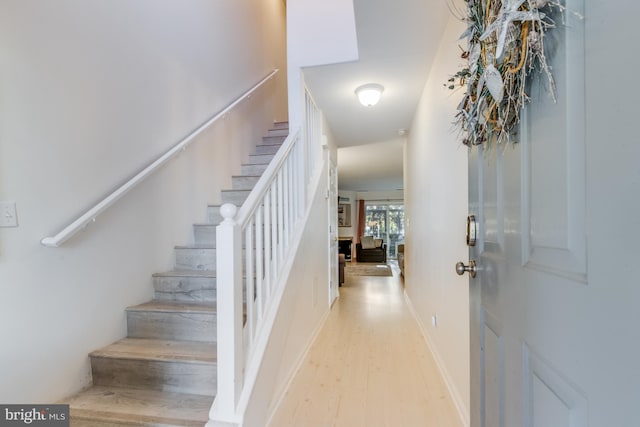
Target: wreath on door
(505, 44)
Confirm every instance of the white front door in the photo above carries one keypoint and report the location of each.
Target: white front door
(555, 305)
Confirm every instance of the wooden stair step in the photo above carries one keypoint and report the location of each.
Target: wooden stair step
(205, 234)
(195, 257)
(172, 320)
(278, 132)
(267, 148)
(237, 197)
(159, 350)
(165, 365)
(185, 286)
(170, 307)
(280, 125)
(259, 159)
(244, 182)
(213, 215)
(273, 139)
(253, 169)
(101, 406)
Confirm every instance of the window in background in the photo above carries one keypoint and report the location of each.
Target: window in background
(386, 222)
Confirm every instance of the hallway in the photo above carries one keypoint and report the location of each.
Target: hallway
(369, 366)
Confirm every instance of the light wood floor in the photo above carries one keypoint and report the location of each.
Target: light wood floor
(369, 366)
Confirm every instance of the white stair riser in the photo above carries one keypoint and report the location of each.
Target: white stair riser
(185, 289)
(172, 376)
(195, 259)
(172, 325)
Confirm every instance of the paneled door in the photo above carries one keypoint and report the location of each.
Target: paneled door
(555, 304)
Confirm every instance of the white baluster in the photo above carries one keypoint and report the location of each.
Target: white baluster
(274, 235)
(285, 201)
(280, 221)
(268, 248)
(249, 279)
(260, 256)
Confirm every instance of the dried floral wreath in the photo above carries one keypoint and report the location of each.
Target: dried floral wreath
(505, 44)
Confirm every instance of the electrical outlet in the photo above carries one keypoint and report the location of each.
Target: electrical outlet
(434, 320)
(8, 216)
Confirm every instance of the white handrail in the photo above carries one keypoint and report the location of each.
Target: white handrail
(256, 246)
(91, 214)
(262, 186)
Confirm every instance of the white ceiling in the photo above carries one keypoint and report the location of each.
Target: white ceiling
(397, 41)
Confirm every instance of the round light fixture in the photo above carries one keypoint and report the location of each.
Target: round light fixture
(369, 94)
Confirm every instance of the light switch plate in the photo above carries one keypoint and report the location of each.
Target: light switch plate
(8, 215)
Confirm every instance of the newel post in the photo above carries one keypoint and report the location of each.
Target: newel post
(229, 313)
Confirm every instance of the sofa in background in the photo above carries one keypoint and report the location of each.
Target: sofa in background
(401, 258)
(371, 250)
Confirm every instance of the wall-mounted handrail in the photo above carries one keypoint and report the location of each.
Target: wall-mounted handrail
(90, 216)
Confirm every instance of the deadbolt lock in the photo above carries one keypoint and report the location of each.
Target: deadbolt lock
(472, 230)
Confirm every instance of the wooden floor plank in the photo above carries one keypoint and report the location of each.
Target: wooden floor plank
(369, 366)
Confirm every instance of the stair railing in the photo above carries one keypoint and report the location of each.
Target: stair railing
(91, 215)
(254, 246)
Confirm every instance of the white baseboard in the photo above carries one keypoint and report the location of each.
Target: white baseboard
(463, 411)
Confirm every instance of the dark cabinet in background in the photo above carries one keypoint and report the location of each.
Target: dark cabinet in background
(344, 246)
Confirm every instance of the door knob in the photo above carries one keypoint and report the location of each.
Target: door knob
(471, 268)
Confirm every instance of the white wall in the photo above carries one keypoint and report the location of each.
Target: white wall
(351, 195)
(435, 212)
(380, 196)
(318, 33)
(90, 93)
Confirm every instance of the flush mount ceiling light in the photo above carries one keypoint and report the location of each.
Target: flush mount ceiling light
(369, 94)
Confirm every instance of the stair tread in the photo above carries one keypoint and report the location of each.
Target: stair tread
(269, 143)
(159, 350)
(195, 246)
(142, 407)
(186, 273)
(173, 306)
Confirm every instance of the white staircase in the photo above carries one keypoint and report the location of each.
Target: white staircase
(164, 372)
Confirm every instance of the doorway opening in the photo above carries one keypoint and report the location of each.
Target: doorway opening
(386, 221)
